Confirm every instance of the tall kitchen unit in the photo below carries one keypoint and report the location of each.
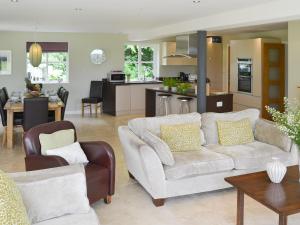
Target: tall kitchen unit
(257, 74)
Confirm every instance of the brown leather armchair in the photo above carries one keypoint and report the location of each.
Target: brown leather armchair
(100, 171)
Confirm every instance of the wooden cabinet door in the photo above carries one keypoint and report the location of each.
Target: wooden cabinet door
(273, 77)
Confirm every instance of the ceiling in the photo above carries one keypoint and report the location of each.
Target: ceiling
(112, 16)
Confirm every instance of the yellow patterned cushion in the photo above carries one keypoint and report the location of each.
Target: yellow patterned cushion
(235, 132)
(12, 209)
(181, 137)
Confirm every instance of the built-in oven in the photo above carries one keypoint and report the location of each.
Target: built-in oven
(245, 75)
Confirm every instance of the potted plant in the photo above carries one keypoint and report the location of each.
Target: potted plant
(166, 83)
(183, 87)
(289, 120)
(173, 84)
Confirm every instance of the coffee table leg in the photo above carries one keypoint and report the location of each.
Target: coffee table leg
(240, 208)
(282, 220)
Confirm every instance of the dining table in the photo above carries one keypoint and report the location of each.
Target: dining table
(12, 107)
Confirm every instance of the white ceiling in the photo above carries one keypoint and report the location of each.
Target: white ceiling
(110, 16)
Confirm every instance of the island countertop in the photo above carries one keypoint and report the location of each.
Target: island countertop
(190, 93)
(215, 102)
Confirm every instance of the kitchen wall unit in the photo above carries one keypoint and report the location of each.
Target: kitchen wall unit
(169, 48)
(251, 49)
(125, 98)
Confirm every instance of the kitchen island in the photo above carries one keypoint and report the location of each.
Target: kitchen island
(126, 98)
(214, 102)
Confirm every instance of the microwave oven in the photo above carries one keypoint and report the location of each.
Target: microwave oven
(116, 76)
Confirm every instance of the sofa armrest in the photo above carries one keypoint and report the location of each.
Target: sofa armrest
(101, 153)
(143, 163)
(39, 162)
(267, 132)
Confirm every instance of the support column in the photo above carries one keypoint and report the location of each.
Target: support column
(202, 64)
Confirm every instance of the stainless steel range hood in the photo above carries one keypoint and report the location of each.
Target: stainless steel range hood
(186, 46)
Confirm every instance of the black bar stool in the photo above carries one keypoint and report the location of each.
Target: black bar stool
(164, 103)
(184, 104)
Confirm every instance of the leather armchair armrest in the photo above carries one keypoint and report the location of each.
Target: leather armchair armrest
(101, 153)
(39, 162)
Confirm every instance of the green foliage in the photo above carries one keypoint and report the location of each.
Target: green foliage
(183, 87)
(170, 81)
(131, 66)
(288, 121)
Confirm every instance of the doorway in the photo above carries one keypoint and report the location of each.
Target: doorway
(273, 77)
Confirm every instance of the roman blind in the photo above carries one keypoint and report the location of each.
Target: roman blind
(50, 46)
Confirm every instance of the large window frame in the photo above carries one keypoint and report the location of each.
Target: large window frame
(140, 62)
(41, 73)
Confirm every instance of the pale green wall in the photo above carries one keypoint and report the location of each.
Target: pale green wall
(81, 70)
(294, 60)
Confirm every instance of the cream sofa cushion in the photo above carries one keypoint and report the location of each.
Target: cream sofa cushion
(161, 148)
(56, 140)
(267, 132)
(253, 155)
(50, 195)
(209, 122)
(89, 218)
(139, 125)
(199, 162)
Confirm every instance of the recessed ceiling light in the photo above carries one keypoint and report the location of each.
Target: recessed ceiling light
(78, 9)
(196, 1)
(14, 1)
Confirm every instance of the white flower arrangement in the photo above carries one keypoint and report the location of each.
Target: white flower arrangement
(289, 120)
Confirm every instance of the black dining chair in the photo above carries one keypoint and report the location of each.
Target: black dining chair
(35, 112)
(63, 94)
(18, 117)
(5, 93)
(95, 98)
(64, 98)
(59, 90)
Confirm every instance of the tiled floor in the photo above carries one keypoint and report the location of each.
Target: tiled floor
(132, 205)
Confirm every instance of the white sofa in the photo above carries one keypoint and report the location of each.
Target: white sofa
(56, 196)
(203, 170)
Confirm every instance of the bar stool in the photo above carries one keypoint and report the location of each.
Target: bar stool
(164, 103)
(184, 104)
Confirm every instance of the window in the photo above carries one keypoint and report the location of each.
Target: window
(54, 67)
(141, 61)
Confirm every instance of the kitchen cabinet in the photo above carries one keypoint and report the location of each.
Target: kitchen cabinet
(125, 98)
(169, 48)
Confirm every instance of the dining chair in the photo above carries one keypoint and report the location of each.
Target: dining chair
(64, 98)
(35, 112)
(5, 93)
(95, 98)
(18, 117)
(59, 91)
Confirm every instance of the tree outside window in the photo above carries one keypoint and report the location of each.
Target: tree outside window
(140, 62)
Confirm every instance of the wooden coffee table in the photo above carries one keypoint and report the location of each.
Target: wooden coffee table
(283, 198)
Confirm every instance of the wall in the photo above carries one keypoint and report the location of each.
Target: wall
(81, 70)
(173, 71)
(294, 59)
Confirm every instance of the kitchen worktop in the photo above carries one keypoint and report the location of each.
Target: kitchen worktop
(135, 82)
(190, 93)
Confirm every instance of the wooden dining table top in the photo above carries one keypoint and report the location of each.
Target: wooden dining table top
(18, 106)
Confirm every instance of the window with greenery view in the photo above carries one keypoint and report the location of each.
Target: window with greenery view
(140, 62)
(54, 67)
